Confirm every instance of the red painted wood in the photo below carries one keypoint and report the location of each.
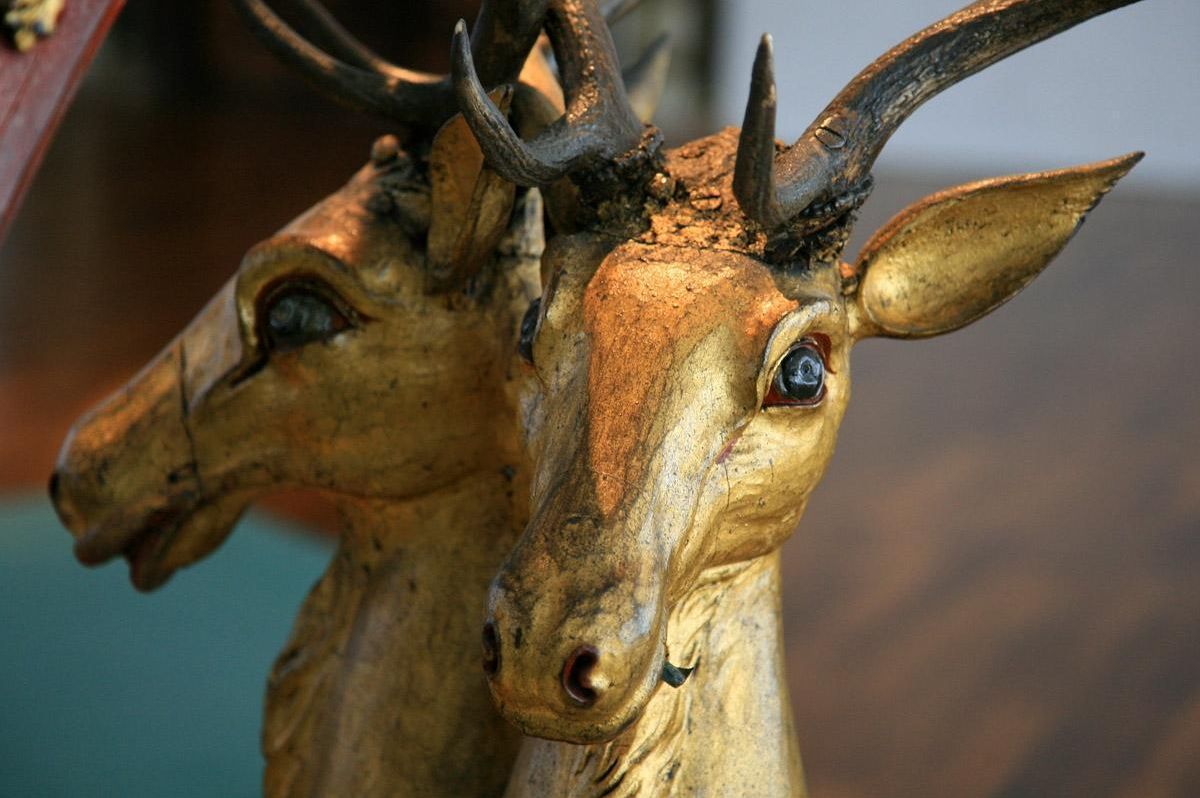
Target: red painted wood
(36, 88)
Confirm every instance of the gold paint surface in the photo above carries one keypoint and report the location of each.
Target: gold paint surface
(30, 19)
(654, 360)
(954, 256)
(470, 206)
(651, 352)
(407, 417)
(643, 315)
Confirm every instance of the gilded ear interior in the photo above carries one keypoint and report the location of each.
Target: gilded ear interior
(954, 256)
(470, 204)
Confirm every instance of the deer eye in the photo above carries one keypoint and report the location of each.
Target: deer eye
(800, 378)
(295, 316)
(529, 327)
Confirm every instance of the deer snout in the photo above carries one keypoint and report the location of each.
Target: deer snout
(64, 504)
(575, 676)
(127, 464)
(580, 677)
(573, 664)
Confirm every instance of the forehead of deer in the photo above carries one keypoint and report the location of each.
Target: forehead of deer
(702, 212)
(662, 296)
(372, 247)
(646, 310)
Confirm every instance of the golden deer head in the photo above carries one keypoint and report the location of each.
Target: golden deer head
(693, 349)
(366, 350)
(373, 310)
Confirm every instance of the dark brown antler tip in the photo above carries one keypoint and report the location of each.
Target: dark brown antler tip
(353, 75)
(827, 171)
(502, 147)
(754, 173)
(600, 127)
(409, 97)
(770, 190)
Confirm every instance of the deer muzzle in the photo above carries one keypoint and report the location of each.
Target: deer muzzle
(126, 479)
(574, 644)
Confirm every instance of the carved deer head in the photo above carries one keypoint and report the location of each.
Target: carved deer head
(341, 325)
(366, 350)
(693, 345)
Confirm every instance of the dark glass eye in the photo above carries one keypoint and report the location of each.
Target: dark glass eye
(297, 316)
(529, 325)
(800, 379)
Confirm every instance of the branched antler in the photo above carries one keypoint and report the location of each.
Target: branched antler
(599, 125)
(836, 152)
(355, 76)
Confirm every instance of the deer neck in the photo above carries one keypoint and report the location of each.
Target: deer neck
(727, 731)
(379, 691)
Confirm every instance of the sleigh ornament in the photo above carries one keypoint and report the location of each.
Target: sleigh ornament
(30, 20)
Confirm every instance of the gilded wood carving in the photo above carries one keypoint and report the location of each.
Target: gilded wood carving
(685, 373)
(325, 338)
(30, 20)
(693, 365)
(367, 350)
(363, 350)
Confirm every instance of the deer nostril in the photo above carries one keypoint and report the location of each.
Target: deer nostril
(491, 649)
(53, 487)
(577, 675)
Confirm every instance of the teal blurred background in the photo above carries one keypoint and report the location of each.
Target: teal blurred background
(106, 691)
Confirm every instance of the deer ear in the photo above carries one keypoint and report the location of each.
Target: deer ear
(955, 256)
(470, 204)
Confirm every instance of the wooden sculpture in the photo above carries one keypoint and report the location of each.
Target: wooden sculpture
(692, 360)
(368, 349)
(325, 338)
(363, 350)
(685, 374)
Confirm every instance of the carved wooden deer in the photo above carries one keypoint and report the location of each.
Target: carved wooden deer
(363, 350)
(693, 365)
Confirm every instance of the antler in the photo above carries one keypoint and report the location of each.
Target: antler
(599, 123)
(834, 156)
(355, 76)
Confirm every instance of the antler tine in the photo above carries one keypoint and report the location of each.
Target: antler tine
(339, 42)
(599, 123)
(357, 77)
(504, 33)
(836, 152)
(411, 97)
(754, 171)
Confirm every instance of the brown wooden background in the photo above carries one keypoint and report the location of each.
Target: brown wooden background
(996, 591)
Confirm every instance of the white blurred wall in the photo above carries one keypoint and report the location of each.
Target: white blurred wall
(1127, 80)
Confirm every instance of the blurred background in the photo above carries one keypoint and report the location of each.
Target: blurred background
(996, 590)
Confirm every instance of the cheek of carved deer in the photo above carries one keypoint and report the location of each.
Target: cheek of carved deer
(755, 497)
